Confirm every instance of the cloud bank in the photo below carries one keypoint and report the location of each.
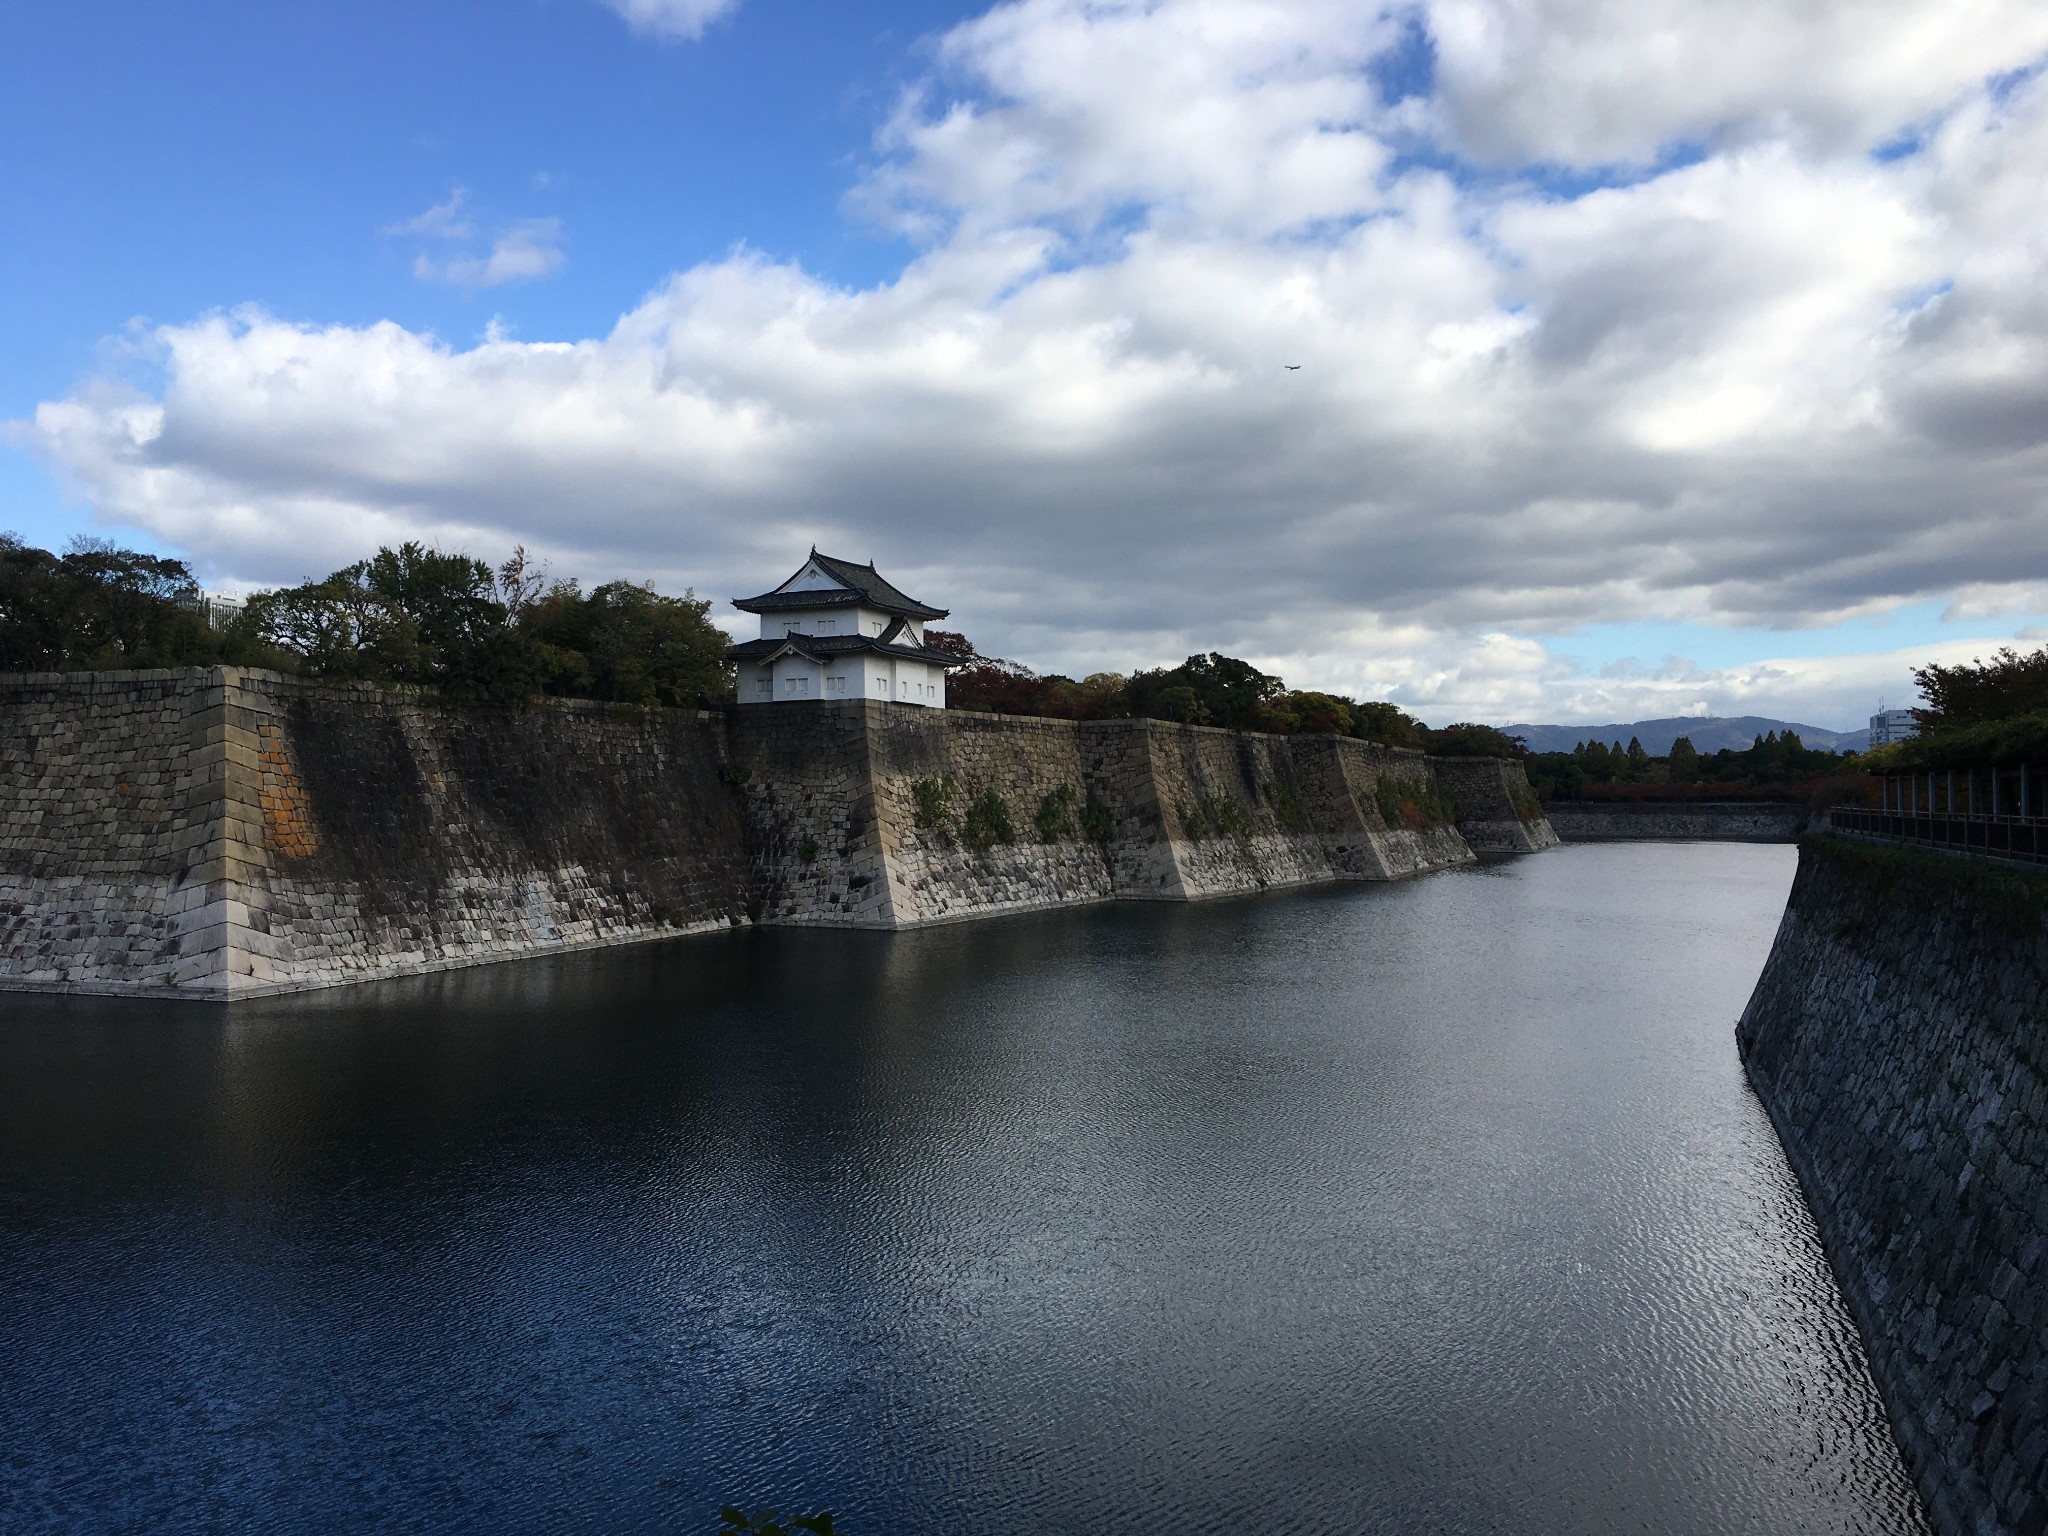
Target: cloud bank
(1729, 313)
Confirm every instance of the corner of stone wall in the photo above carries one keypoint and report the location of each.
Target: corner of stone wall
(1494, 797)
(223, 899)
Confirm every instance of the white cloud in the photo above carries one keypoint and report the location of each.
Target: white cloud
(1782, 384)
(1589, 82)
(683, 20)
(443, 221)
(532, 248)
(527, 249)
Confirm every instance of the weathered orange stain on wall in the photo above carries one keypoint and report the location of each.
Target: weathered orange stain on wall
(287, 828)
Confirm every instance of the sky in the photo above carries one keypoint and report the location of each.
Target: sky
(1516, 360)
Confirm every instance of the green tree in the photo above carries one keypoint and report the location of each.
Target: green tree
(406, 615)
(99, 606)
(1304, 712)
(1387, 724)
(1227, 691)
(629, 643)
(2008, 684)
(1466, 739)
(1685, 760)
(1638, 759)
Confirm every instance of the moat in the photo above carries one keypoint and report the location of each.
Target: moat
(1440, 1205)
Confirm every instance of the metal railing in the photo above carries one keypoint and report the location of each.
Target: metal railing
(2023, 838)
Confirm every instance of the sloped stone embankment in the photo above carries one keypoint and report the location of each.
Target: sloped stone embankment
(1899, 1038)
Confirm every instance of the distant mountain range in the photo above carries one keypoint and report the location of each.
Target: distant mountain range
(1708, 734)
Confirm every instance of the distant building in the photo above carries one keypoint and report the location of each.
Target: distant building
(1890, 725)
(216, 610)
(836, 630)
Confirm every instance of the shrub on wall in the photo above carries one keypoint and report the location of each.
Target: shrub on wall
(1214, 816)
(1055, 814)
(1413, 803)
(931, 807)
(988, 822)
(1095, 822)
(1286, 806)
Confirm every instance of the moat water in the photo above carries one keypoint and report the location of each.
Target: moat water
(1433, 1207)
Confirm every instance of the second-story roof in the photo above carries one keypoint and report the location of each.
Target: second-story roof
(857, 586)
(822, 648)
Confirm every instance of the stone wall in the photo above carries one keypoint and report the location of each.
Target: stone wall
(1497, 810)
(398, 836)
(1738, 821)
(223, 833)
(869, 815)
(110, 792)
(219, 832)
(1899, 1038)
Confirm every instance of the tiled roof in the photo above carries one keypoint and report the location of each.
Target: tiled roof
(863, 585)
(822, 648)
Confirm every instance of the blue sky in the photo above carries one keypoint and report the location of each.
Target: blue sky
(1622, 395)
(162, 161)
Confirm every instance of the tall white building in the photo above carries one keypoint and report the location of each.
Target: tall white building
(836, 630)
(1890, 725)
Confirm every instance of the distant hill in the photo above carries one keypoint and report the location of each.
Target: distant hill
(1708, 734)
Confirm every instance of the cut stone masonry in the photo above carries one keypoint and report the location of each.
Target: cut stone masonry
(225, 833)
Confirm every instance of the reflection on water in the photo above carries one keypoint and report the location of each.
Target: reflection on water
(1431, 1207)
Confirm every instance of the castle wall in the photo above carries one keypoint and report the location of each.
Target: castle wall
(397, 836)
(220, 832)
(110, 792)
(932, 816)
(1899, 1038)
(1738, 821)
(1497, 810)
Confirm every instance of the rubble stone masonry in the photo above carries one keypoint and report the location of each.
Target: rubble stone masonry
(217, 832)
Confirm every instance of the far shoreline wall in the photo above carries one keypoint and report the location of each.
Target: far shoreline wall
(1738, 821)
(220, 832)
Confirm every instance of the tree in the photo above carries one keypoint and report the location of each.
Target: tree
(1305, 712)
(101, 606)
(1466, 739)
(1387, 724)
(1685, 760)
(628, 643)
(1638, 759)
(1213, 689)
(2008, 684)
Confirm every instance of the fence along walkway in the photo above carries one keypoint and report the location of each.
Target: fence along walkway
(1994, 811)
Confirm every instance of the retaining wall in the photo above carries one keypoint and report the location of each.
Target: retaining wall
(872, 815)
(1899, 1038)
(220, 832)
(1497, 810)
(223, 833)
(1737, 821)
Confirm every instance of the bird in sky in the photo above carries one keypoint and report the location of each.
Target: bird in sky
(1292, 367)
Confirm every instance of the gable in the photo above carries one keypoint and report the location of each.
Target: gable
(814, 578)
